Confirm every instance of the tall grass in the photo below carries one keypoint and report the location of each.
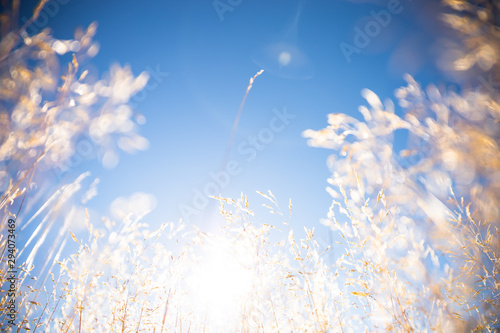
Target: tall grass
(416, 231)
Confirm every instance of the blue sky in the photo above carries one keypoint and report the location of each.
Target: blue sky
(210, 57)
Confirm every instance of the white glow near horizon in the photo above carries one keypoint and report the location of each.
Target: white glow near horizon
(221, 285)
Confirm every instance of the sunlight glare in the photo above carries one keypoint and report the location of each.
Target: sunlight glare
(221, 285)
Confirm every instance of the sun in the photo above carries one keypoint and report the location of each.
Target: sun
(221, 284)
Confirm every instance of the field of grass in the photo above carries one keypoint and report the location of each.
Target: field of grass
(417, 231)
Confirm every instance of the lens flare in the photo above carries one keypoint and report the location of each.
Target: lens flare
(283, 56)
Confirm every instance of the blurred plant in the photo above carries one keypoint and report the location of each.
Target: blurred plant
(43, 117)
(478, 22)
(420, 254)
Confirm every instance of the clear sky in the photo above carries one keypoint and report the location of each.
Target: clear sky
(210, 50)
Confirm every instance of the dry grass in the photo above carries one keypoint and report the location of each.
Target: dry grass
(416, 232)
